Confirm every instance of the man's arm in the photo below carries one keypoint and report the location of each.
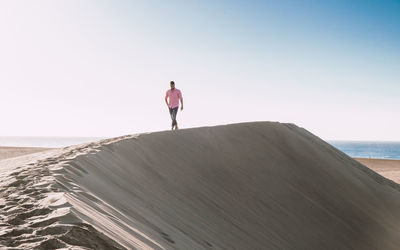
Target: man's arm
(180, 98)
(166, 98)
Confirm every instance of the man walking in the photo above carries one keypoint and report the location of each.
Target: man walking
(174, 96)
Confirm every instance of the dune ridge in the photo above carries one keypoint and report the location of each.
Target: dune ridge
(260, 185)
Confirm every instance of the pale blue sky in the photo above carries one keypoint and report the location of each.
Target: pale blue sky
(101, 68)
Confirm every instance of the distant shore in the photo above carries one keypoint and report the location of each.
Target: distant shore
(11, 152)
(385, 167)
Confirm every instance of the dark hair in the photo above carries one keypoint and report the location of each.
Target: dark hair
(172, 82)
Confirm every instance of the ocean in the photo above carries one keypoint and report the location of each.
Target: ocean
(369, 149)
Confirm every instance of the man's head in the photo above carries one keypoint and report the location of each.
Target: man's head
(172, 84)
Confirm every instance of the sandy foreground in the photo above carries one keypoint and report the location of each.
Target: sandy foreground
(262, 185)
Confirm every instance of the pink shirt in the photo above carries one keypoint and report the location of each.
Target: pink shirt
(174, 97)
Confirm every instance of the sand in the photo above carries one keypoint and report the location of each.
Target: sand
(387, 168)
(10, 152)
(262, 185)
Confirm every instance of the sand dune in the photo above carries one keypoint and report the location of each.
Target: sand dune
(242, 186)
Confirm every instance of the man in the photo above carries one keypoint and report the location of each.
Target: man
(174, 95)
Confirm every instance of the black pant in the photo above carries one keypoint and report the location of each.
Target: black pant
(173, 112)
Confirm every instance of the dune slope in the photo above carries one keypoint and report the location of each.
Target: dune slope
(259, 185)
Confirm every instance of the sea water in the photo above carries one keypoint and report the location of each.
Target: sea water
(369, 149)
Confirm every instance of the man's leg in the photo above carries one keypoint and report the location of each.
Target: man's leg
(174, 122)
(170, 113)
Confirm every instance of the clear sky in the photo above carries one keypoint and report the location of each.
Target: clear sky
(101, 68)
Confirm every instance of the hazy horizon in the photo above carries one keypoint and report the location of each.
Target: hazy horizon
(91, 138)
(101, 68)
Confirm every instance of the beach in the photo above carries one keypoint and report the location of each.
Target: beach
(385, 167)
(10, 152)
(251, 185)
